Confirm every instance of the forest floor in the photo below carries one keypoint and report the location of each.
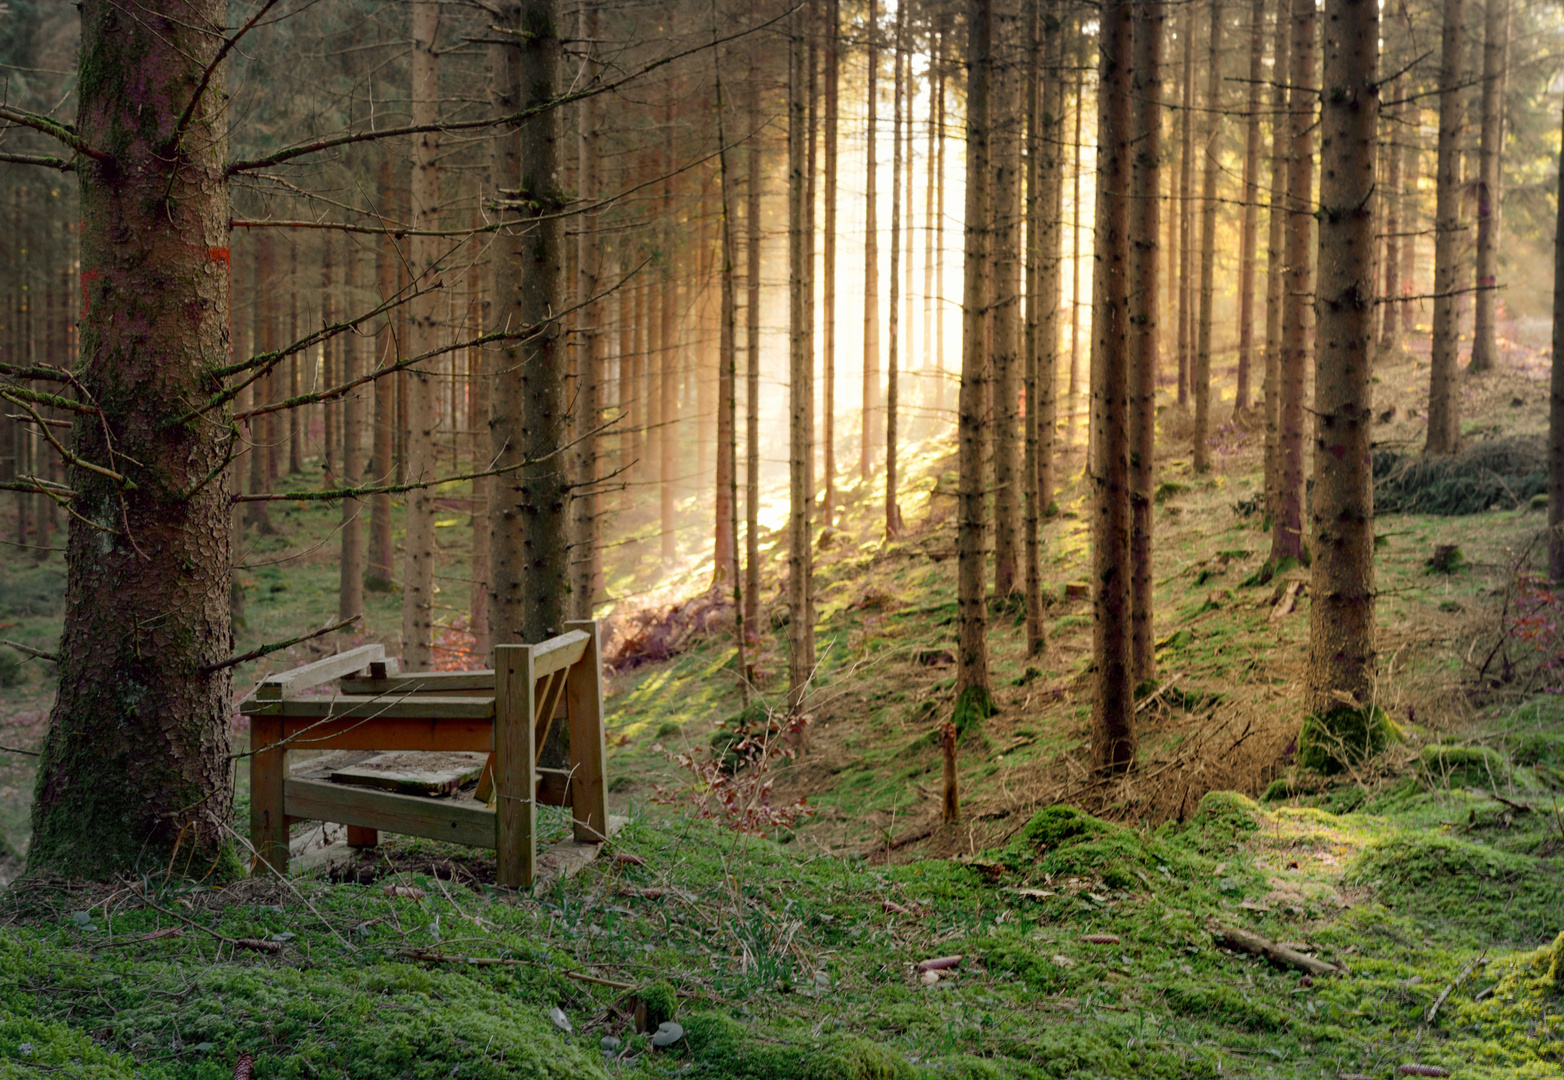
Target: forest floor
(1083, 910)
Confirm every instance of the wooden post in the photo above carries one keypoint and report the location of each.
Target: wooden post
(515, 766)
(358, 836)
(268, 770)
(584, 705)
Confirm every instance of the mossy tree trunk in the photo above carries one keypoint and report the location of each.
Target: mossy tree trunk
(1341, 584)
(1113, 706)
(136, 760)
(529, 507)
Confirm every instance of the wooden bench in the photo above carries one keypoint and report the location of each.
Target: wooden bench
(505, 712)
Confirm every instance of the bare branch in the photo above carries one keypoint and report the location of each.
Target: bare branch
(276, 646)
(52, 128)
(28, 650)
(211, 69)
(62, 164)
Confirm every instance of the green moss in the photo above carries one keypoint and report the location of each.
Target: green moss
(1215, 1001)
(725, 1049)
(660, 1002)
(1465, 766)
(1344, 738)
(1018, 956)
(972, 708)
(1223, 819)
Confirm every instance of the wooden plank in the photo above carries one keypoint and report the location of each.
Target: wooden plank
(410, 706)
(394, 733)
(485, 792)
(551, 688)
(558, 653)
(284, 683)
(514, 760)
(415, 772)
(460, 822)
(268, 771)
(584, 706)
(420, 682)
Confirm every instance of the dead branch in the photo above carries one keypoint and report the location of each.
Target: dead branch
(1278, 955)
(255, 654)
(28, 650)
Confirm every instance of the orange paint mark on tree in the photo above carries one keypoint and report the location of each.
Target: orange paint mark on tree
(87, 278)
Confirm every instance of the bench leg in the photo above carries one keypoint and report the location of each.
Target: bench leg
(588, 782)
(268, 771)
(358, 836)
(515, 767)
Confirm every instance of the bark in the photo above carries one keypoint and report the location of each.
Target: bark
(752, 360)
(1005, 293)
(135, 765)
(725, 556)
(930, 369)
(1248, 243)
(1390, 332)
(828, 271)
(1113, 706)
(1048, 207)
(1496, 32)
(1443, 413)
(1287, 537)
(870, 396)
(1341, 582)
(424, 334)
(939, 240)
(1073, 392)
(1412, 218)
(972, 678)
(256, 515)
(380, 558)
(1186, 254)
(294, 363)
(529, 508)
(584, 502)
(801, 618)
(667, 357)
(330, 375)
(893, 527)
(355, 469)
(1150, 15)
(1276, 255)
(1556, 397)
(1202, 372)
(479, 381)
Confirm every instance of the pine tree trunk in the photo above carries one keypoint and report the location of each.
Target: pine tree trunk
(1113, 705)
(893, 527)
(752, 359)
(929, 391)
(870, 397)
(1411, 215)
(1248, 244)
(584, 501)
(424, 328)
(972, 685)
(294, 363)
(1276, 252)
(939, 241)
(1036, 209)
(1496, 27)
(828, 271)
(1073, 392)
(1050, 276)
(1443, 413)
(1186, 254)
(529, 507)
(1144, 266)
(1556, 396)
(379, 575)
(1287, 537)
(725, 555)
(668, 355)
(135, 767)
(1005, 290)
(1341, 582)
(355, 470)
(1202, 373)
(329, 373)
(801, 618)
(478, 382)
(256, 515)
(1390, 331)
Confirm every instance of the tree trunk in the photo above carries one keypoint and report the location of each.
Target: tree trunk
(1556, 396)
(330, 376)
(295, 417)
(930, 349)
(135, 765)
(1341, 582)
(1048, 208)
(1250, 230)
(939, 240)
(1073, 392)
(584, 501)
(418, 426)
(380, 560)
(528, 513)
(1390, 332)
(1443, 413)
(893, 527)
(1186, 254)
(668, 354)
(1287, 538)
(801, 617)
(1411, 216)
(752, 359)
(972, 686)
(1496, 30)
(871, 266)
(1202, 373)
(1113, 706)
(256, 515)
(1005, 291)
(355, 469)
(1276, 252)
(828, 271)
(479, 381)
(1144, 266)
(726, 552)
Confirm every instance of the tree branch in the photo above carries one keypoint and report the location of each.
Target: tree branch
(211, 69)
(39, 159)
(276, 646)
(28, 650)
(53, 129)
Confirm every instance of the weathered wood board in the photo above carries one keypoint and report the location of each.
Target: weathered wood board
(412, 772)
